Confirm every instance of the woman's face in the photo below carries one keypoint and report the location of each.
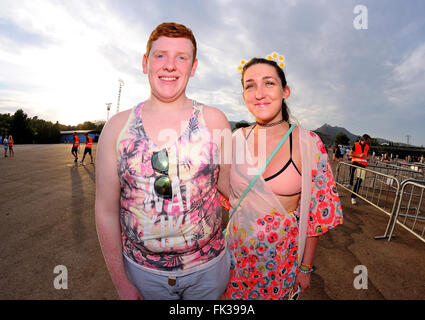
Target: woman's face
(263, 92)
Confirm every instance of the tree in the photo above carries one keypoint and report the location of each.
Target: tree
(45, 131)
(241, 124)
(87, 125)
(20, 128)
(35, 130)
(5, 122)
(373, 142)
(341, 138)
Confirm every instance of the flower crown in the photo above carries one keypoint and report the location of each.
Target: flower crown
(273, 56)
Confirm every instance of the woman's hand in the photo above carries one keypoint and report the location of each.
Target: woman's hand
(302, 280)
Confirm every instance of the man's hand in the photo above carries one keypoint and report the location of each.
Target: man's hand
(128, 291)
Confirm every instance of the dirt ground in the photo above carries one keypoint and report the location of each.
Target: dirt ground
(47, 220)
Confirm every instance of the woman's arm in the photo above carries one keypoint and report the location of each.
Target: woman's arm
(303, 279)
(329, 203)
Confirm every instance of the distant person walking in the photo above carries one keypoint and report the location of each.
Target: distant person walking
(75, 146)
(11, 152)
(342, 151)
(5, 145)
(88, 148)
(385, 157)
(337, 154)
(358, 156)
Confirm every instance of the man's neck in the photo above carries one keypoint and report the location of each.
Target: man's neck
(174, 105)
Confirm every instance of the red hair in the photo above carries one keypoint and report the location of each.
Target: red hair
(171, 30)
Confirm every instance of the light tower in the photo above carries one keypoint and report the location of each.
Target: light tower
(121, 82)
(408, 139)
(108, 108)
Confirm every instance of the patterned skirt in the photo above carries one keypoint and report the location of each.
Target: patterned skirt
(266, 260)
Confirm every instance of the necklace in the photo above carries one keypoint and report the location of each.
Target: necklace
(264, 125)
(270, 124)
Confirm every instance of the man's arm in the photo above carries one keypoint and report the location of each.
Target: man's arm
(107, 207)
(222, 133)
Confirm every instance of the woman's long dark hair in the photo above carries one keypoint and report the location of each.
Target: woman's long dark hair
(280, 73)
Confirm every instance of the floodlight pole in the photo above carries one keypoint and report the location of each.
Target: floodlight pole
(121, 82)
(108, 107)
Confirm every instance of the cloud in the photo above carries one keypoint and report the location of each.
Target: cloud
(408, 79)
(63, 59)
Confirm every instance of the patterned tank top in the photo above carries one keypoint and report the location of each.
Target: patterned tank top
(170, 234)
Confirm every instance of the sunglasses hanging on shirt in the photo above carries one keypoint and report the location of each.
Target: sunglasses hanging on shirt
(162, 185)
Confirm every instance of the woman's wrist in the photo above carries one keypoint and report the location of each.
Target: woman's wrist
(306, 268)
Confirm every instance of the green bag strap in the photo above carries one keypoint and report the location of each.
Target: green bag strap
(260, 172)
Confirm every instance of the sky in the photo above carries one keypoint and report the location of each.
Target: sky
(361, 68)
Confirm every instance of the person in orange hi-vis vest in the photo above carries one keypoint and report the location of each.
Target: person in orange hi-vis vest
(11, 152)
(358, 155)
(89, 145)
(75, 145)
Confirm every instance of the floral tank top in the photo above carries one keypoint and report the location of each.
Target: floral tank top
(184, 231)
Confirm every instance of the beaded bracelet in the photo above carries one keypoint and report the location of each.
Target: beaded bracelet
(306, 268)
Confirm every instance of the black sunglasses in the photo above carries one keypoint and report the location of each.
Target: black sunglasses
(162, 185)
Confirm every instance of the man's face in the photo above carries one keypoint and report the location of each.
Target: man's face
(169, 66)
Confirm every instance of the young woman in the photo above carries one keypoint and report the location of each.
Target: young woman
(274, 231)
(11, 152)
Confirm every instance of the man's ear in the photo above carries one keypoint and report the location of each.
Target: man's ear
(194, 66)
(145, 64)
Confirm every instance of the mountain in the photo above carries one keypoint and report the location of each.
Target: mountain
(233, 124)
(328, 133)
(331, 132)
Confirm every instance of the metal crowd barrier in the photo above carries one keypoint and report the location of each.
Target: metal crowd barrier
(411, 165)
(400, 172)
(386, 193)
(416, 166)
(410, 213)
(378, 189)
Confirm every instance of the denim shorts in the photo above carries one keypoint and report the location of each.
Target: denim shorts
(206, 284)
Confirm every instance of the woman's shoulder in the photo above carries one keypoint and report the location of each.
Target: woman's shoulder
(243, 131)
(308, 134)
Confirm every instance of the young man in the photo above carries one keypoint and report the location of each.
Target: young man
(358, 155)
(157, 212)
(75, 145)
(88, 148)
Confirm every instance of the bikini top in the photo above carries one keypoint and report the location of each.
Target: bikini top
(289, 181)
